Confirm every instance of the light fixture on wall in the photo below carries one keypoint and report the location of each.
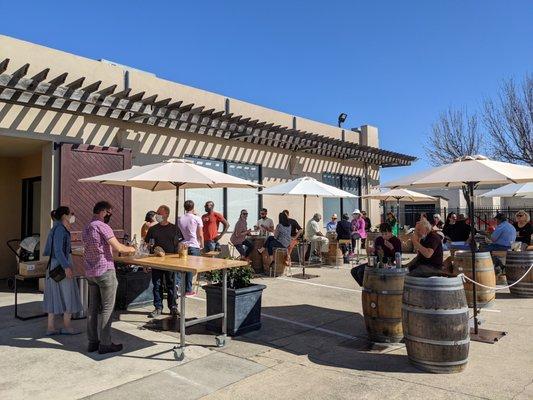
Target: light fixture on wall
(342, 118)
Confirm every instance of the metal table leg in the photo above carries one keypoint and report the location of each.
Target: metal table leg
(16, 305)
(179, 351)
(221, 340)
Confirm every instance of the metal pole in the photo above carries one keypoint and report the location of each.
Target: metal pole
(177, 202)
(473, 249)
(224, 301)
(305, 223)
(183, 278)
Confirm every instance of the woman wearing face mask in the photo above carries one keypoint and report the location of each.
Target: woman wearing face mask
(60, 297)
(149, 221)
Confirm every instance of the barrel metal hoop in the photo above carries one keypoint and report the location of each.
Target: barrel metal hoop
(437, 342)
(385, 292)
(434, 288)
(416, 310)
(439, 363)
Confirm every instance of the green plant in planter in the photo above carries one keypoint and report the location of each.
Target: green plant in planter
(237, 277)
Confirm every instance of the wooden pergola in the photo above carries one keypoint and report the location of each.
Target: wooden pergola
(76, 96)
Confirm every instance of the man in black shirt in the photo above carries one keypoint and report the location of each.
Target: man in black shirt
(164, 235)
(386, 244)
(428, 245)
(296, 229)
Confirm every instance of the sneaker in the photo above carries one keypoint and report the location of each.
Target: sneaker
(156, 313)
(93, 347)
(190, 294)
(174, 311)
(112, 348)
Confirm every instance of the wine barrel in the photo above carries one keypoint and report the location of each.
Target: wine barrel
(382, 303)
(335, 257)
(435, 324)
(517, 264)
(462, 263)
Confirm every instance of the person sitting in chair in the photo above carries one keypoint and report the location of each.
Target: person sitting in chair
(428, 245)
(386, 243)
(313, 234)
(344, 232)
(503, 236)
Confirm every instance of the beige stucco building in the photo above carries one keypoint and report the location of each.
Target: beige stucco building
(63, 117)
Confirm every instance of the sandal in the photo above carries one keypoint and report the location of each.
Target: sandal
(63, 331)
(53, 333)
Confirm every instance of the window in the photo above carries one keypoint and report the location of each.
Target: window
(238, 199)
(350, 184)
(201, 196)
(229, 202)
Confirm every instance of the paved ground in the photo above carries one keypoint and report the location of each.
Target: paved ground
(312, 345)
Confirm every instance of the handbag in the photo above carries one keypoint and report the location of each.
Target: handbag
(58, 273)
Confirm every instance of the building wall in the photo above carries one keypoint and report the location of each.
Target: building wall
(152, 144)
(12, 171)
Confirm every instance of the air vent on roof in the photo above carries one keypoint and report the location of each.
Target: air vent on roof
(125, 67)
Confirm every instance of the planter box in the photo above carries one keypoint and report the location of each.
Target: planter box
(134, 288)
(244, 308)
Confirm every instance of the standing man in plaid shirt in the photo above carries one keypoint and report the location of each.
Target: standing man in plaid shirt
(100, 241)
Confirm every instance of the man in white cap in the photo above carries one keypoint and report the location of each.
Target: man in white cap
(331, 226)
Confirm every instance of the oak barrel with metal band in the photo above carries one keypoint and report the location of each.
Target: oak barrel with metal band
(462, 263)
(517, 264)
(382, 303)
(435, 323)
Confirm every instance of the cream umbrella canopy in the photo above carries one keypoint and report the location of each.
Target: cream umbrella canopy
(306, 186)
(172, 174)
(399, 195)
(467, 172)
(512, 190)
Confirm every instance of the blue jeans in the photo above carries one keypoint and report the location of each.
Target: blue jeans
(159, 278)
(271, 244)
(192, 251)
(209, 245)
(245, 248)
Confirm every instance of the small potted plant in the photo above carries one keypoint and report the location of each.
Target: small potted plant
(244, 301)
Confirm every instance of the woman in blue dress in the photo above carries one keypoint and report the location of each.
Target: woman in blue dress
(61, 297)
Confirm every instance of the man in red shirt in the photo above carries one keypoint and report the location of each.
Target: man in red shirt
(211, 221)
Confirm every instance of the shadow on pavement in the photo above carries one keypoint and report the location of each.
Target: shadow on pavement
(328, 337)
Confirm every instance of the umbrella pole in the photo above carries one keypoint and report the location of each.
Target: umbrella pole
(473, 249)
(177, 202)
(478, 335)
(305, 207)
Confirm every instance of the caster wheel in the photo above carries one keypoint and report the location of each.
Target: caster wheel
(220, 341)
(179, 354)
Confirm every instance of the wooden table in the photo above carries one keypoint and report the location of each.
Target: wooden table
(181, 265)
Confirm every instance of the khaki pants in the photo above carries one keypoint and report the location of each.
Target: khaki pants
(321, 242)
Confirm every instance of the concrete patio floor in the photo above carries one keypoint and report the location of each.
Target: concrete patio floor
(312, 345)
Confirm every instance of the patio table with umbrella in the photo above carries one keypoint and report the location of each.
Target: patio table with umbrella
(176, 174)
(306, 186)
(404, 195)
(468, 172)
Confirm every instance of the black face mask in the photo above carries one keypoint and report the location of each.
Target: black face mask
(107, 218)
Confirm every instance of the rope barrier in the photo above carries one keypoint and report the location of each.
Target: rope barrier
(466, 278)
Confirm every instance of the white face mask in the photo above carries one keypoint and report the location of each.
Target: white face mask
(72, 219)
(158, 218)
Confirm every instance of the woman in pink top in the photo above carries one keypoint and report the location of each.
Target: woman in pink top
(358, 231)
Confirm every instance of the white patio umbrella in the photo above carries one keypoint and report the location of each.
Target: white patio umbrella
(306, 186)
(512, 190)
(399, 195)
(172, 174)
(468, 172)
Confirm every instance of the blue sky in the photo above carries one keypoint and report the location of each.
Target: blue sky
(392, 64)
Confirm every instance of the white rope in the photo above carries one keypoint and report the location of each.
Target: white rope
(466, 278)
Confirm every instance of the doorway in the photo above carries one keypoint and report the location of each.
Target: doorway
(31, 207)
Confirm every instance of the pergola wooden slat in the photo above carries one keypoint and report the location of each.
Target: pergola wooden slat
(54, 95)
